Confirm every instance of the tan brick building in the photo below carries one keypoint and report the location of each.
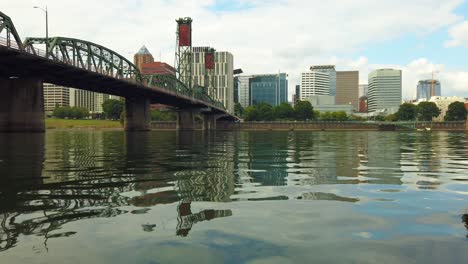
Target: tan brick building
(142, 56)
(347, 88)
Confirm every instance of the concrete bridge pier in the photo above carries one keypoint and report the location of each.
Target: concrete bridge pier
(209, 122)
(22, 105)
(186, 119)
(137, 114)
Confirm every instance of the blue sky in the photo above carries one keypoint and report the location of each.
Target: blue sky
(418, 51)
(267, 35)
(408, 47)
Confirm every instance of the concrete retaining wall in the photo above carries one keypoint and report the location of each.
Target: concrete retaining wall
(319, 126)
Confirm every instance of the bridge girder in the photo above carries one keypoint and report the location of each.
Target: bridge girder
(96, 58)
(170, 82)
(85, 55)
(9, 33)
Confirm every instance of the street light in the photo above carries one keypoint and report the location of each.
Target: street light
(47, 28)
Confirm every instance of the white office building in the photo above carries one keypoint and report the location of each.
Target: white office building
(384, 90)
(54, 96)
(89, 100)
(242, 85)
(223, 78)
(314, 83)
(330, 69)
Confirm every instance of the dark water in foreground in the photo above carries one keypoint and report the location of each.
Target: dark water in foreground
(241, 197)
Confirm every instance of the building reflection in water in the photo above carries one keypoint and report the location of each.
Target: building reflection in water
(82, 175)
(71, 176)
(21, 158)
(465, 222)
(203, 179)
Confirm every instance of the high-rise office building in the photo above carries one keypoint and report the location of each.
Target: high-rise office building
(384, 90)
(89, 100)
(269, 88)
(297, 94)
(241, 90)
(347, 88)
(142, 56)
(54, 96)
(330, 69)
(222, 78)
(314, 83)
(424, 89)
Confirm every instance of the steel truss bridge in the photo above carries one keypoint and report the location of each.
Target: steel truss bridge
(89, 66)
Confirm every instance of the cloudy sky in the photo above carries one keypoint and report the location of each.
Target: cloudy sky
(417, 36)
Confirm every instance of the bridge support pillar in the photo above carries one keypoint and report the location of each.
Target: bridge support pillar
(137, 114)
(22, 105)
(185, 120)
(209, 122)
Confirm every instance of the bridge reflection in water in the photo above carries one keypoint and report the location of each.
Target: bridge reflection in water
(36, 205)
(49, 181)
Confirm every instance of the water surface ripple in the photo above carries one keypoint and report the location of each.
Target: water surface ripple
(234, 197)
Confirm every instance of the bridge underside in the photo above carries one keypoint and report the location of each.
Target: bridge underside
(27, 71)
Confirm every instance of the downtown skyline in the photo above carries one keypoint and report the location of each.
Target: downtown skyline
(352, 37)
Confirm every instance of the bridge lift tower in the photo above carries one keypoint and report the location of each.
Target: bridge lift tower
(183, 57)
(210, 72)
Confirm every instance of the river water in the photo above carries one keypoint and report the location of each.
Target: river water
(234, 197)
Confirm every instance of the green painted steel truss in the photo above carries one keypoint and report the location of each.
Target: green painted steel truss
(8, 33)
(96, 58)
(85, 55)
(171, 83)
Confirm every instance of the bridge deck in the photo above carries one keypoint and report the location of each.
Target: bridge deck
(15, 63)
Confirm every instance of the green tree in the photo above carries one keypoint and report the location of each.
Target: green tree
(265, 112)
(340, 116)
(380, 118)
(326, 116)
(122, 118)
(251, 113)
(70, 112)
(406, 112)
(113, 108)
(303, 110)
(283, 111)
(456, 112)
(427, 111)
(356, 118)
(392, 118)
(238, 109)
(157, 115)
(78, 113)
(59, 112)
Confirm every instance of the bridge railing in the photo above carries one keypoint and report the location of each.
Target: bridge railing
(8, 43)
(161, 82)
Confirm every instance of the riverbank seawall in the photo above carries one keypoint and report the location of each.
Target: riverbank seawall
(326, 126)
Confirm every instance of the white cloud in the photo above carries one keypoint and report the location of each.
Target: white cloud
(270, 35)
(459, 35)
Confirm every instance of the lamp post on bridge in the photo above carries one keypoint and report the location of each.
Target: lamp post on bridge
(47, 28)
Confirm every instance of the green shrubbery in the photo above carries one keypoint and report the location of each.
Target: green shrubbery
(70, 112)
(302, 111)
